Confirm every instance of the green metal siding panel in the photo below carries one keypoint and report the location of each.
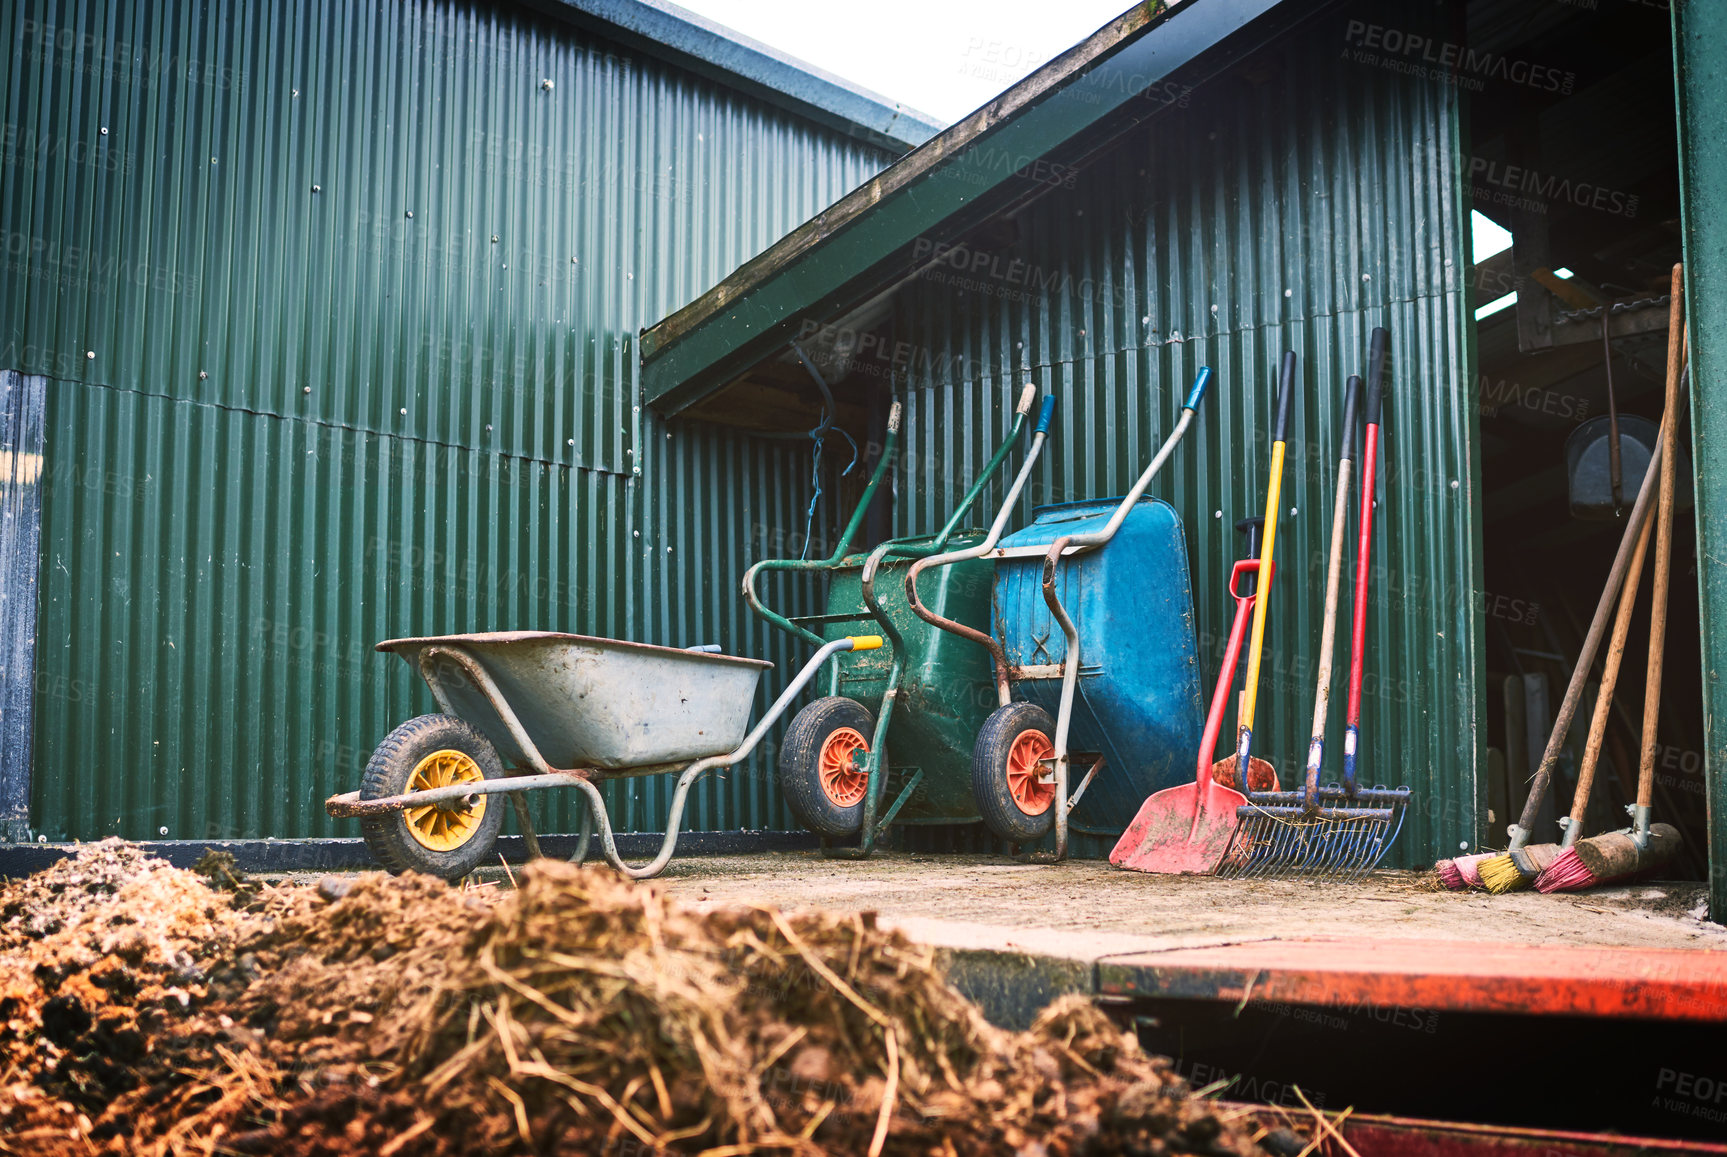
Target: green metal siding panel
(1700, 51)
(1302, 173)
(214, 582)
(186, 247)
(219, 553)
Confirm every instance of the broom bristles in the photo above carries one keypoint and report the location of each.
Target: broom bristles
(1462, 872)
(1499, 874)
(1568, 873)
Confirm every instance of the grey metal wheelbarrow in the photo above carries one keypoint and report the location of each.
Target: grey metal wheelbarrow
(562, 711)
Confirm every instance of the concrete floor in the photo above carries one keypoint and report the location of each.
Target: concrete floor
(1085, 910)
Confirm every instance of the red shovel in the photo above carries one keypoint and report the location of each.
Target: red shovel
(1189, 828)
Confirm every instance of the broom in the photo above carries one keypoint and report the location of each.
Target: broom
(1521, 865)
(1603, 700)
(1616, 855)
(1518, 866)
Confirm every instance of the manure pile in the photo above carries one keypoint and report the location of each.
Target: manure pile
(147, 1009)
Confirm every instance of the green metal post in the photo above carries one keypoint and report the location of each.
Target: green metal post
(1700, 70)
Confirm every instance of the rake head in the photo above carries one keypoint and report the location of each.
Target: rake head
(1340, 838)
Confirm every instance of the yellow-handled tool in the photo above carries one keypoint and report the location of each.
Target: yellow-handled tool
(864, 642)
(1267, 568)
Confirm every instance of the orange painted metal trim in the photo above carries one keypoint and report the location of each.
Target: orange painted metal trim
(1437, 975)
(1374, 1135)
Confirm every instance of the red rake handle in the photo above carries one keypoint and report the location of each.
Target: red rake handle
(1363, 568)
(1376, 351)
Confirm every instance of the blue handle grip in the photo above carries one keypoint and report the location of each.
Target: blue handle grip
(1045, 416)
(1198, 392)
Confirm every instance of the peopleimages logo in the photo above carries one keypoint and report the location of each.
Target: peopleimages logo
(1540, 189)
(1413, 48)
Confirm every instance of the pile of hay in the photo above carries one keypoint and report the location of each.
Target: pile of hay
(580, 1013)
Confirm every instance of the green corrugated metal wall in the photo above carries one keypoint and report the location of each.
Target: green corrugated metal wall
(313, 421)
(1295, 202)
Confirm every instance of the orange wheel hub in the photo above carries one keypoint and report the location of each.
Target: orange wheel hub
(1025, 772)
(842, 782)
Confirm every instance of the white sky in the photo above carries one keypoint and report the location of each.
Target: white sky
(941, 57)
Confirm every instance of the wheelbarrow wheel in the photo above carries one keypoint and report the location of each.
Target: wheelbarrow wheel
(448, 840)
(818, 777)
(1007, 777)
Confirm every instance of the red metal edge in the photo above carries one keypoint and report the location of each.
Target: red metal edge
(1438, 975)
(1373, 1135)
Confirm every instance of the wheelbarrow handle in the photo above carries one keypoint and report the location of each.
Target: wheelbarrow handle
(754, 600)
(1197, 393)
(1008, 504)
(597, 803)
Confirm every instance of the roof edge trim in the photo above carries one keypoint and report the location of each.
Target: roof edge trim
(711, 50)
(830, 259)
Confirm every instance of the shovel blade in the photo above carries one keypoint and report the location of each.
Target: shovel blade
(1163, 837)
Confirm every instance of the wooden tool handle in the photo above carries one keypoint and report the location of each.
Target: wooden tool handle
(1640, 512)
(1676, 352)
(1333, 577)
(1609, 681)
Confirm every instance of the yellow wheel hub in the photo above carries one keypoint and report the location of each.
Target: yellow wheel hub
(444, 827)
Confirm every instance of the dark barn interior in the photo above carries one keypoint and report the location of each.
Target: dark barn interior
(1582, 172)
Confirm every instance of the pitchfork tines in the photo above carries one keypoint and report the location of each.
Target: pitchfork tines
(1342, 839)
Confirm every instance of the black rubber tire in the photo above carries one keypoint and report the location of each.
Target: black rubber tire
(995, 803)
(388, 772)
(800, 776)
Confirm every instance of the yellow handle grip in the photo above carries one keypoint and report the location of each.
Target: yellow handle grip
(865, 642)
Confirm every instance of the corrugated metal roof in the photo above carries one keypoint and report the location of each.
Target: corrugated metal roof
(693, 42)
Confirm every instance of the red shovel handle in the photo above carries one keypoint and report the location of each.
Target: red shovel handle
(1226, 676)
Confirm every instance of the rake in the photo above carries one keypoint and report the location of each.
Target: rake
(1336, 831)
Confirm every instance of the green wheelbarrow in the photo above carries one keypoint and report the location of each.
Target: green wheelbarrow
(562, 711)
(897, 725)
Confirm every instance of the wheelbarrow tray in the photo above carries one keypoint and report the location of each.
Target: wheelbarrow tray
(1138, 699)
(593, 703)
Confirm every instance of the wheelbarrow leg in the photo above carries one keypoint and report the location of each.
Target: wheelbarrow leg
(867, 831)
(597, 803)
(586, 835)
(1069, 683)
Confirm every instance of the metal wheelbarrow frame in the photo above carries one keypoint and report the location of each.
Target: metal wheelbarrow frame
(502, 671)
(867, 760)
(1057, 761)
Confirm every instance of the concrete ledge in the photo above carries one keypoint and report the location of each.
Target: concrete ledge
(338, 855)
(1013, 987)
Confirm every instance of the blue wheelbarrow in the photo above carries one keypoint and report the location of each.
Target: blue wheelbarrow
(561, 711)
(1116, 689)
